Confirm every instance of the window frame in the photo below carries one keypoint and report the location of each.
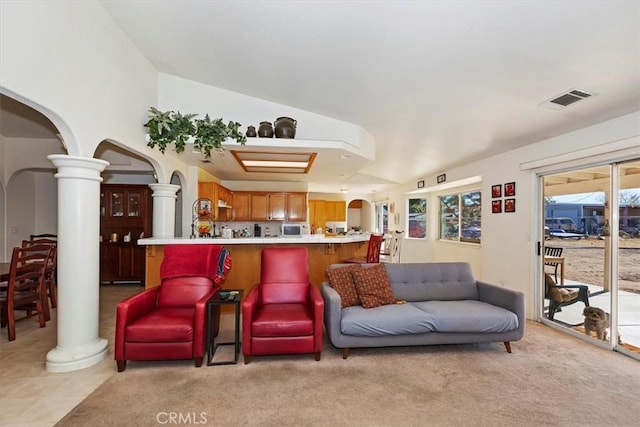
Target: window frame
(459, 216)
(408, 218)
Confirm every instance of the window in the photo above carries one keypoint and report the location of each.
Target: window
(460, 217)
(417, 218)
(382, 218)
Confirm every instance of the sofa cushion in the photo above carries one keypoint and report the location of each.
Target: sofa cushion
(467, 316)
(392, 319)
(373, 286)
(341, 279)
(282, 320)
(163, 325)
(432, 281)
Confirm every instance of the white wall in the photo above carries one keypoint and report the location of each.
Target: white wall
(191, 97)
(507, 255)
(21, 209)
(76, 65)
(46, 203)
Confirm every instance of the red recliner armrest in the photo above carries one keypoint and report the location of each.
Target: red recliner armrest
(130, 309)
(317, 306)
(200, 323)
(249, 308)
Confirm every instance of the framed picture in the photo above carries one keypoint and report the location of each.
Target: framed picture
(510, 189)
(496, 206)
(396, 218)
(496, 191)
(392, 207)
(509, 205)
(421, 184)
(441, 178)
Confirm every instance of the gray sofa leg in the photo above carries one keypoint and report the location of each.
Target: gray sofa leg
(507, 345)
(345, 353)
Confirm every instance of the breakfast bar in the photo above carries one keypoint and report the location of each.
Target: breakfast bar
(245, 255)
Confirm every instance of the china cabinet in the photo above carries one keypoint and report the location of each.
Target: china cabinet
(125, 216)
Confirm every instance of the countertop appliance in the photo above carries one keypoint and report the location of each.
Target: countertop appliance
(289, 230)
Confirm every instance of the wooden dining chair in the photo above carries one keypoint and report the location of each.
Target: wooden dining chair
(24, 288)
(43, 236)
(51, 272)
(373, 251)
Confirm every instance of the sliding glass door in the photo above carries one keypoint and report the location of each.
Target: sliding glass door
(626, 313)
(591, 253)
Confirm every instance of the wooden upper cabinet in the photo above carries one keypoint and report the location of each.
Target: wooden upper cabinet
(242, 206)
(260, 207)
(321, 211)
(278, 207)
(215, 193)
(337, 211)
(297, 207)
(317, 213)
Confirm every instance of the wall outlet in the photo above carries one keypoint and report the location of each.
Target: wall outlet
(13, 230)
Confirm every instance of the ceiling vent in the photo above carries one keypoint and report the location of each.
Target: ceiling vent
(567, 98)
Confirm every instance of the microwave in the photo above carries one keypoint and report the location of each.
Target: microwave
(289, 230)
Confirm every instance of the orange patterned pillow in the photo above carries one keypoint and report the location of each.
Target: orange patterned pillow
(373, 286)
(341, 279)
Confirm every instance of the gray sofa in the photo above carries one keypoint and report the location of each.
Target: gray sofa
(444, 305)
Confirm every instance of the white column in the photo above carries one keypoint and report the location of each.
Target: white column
(164, 209)
(78, 345)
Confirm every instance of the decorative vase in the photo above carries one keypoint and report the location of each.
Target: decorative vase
(251, 132)
(265, 130)
(285, 127)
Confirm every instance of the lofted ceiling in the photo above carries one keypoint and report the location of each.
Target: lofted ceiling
(438, 84)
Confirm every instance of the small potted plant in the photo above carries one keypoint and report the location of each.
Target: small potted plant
(170, 127)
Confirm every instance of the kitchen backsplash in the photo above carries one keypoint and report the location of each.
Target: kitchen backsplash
(271, 228)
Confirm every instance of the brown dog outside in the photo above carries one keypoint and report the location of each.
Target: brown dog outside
(597, 320)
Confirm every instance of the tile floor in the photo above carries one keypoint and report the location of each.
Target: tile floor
(31, 396)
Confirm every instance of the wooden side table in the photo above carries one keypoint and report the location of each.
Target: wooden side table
(213, 305)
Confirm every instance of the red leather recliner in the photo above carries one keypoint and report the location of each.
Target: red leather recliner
(284, 313)
(169, 321)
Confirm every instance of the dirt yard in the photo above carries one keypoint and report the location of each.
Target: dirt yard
(584, 261)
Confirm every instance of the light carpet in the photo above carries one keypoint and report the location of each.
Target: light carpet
(550, 379)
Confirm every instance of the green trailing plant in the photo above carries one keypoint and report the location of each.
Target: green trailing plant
(170, 127)
(210, 134)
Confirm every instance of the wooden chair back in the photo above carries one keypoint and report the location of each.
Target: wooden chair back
(25, 286)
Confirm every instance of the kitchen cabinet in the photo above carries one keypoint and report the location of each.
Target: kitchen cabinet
(218, 195)
(124, 210)
(241, 206)
(266, 206)
(297, 207)
(278, 207)
(317, 214)
(323, 211)
(336, 210)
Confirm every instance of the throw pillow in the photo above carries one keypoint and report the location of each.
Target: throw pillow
(373, 286)
(341, 279)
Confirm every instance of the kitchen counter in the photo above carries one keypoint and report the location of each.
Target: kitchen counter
(313, 238)
(246, 252)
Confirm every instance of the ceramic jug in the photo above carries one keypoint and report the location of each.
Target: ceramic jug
(265, 130)
(285, 127)
(251, 132)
